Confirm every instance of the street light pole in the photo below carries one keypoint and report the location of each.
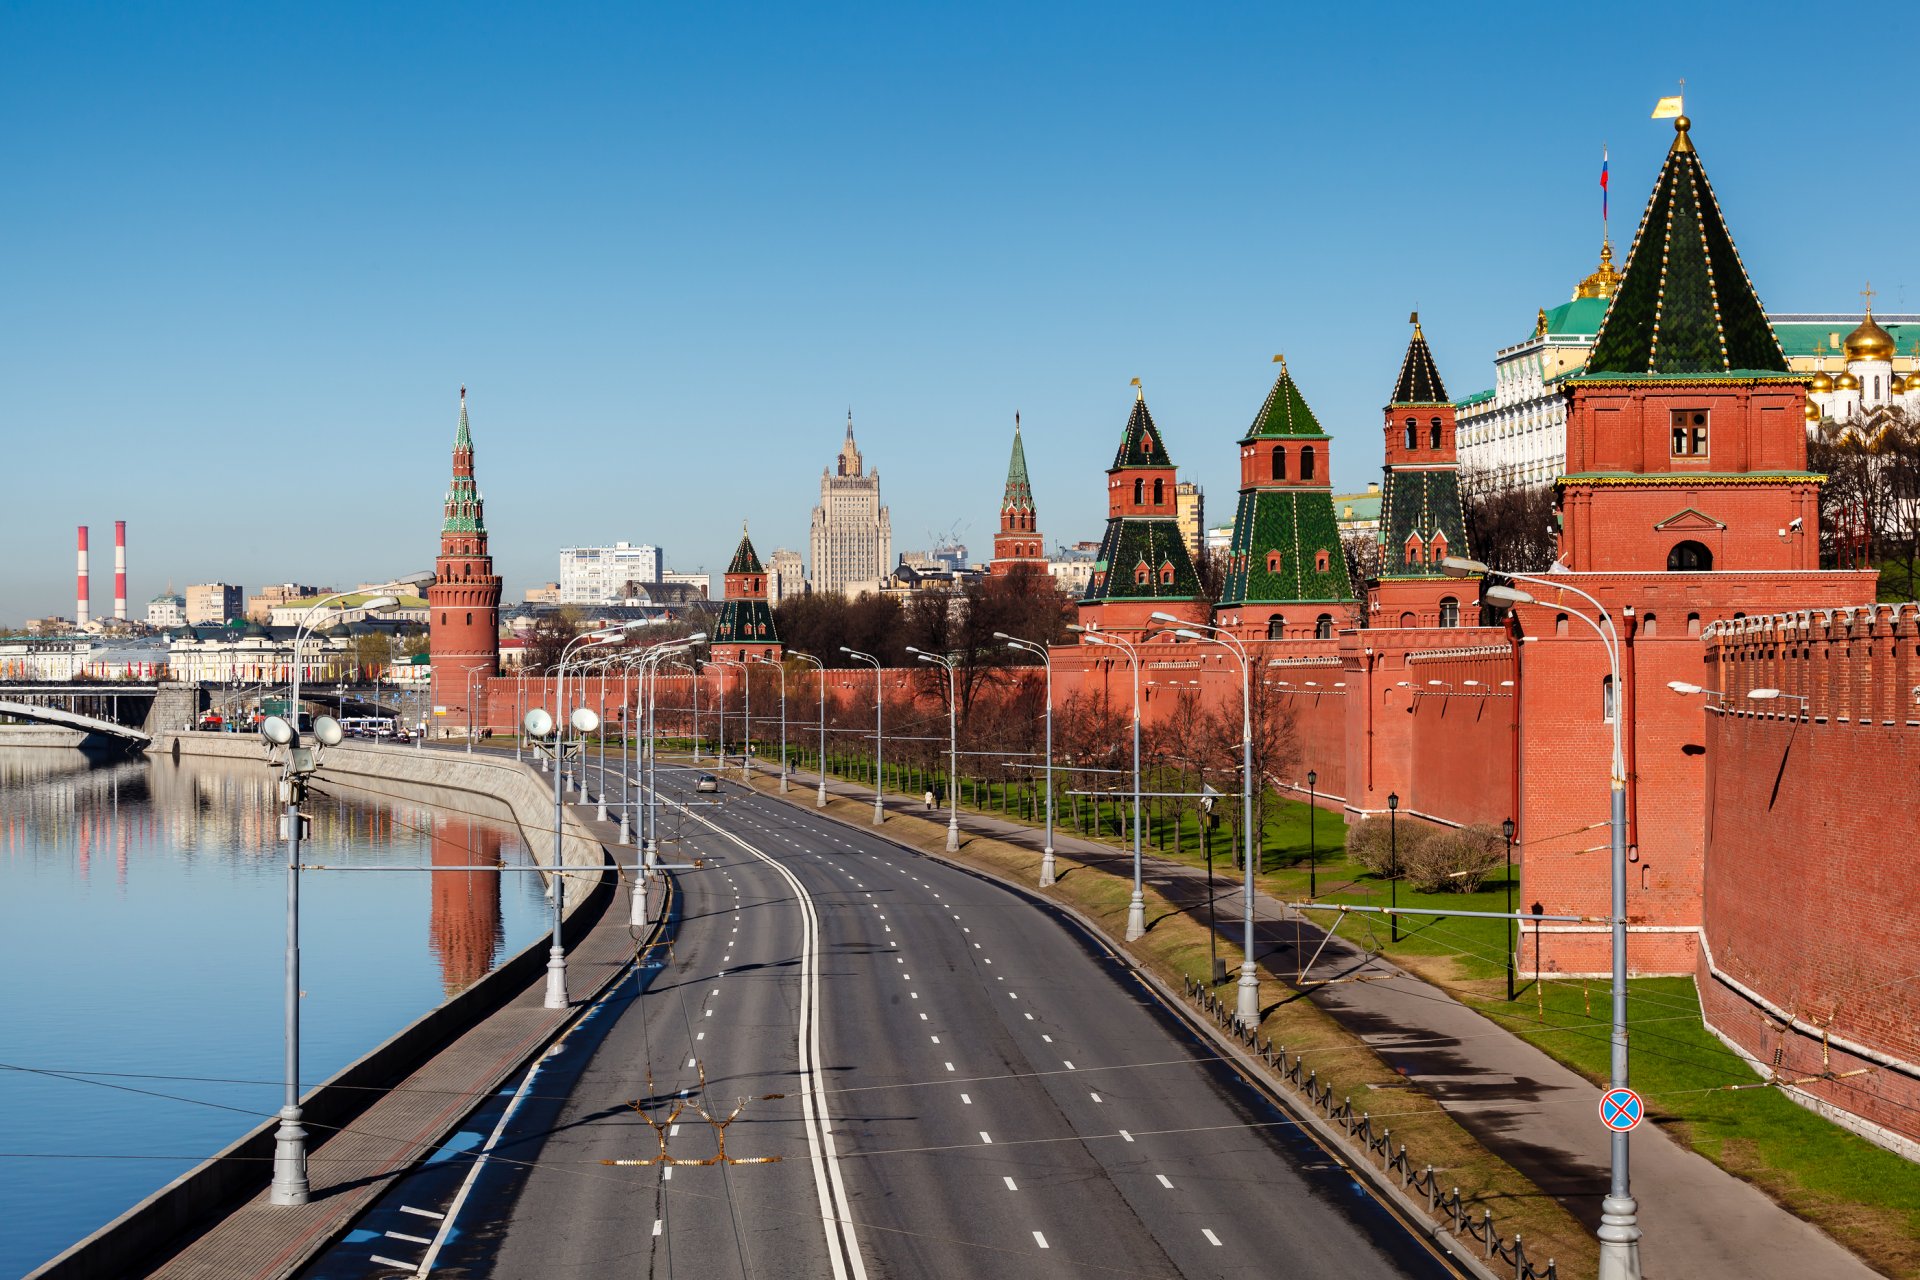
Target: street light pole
(1619, 1232)
(820, 796)
(1506, 829)
(1046, 661)
(781, 667)
(879, 736)
(729, 662)
(1137, 904)
(1313, 844)
(1393, 861)
(953, 746)
(1248, 1008)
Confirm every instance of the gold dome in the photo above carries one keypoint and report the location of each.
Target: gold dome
(1813, 412)
(1846, 382)
(1605, 281)
(1869, 342)
(1900, 385)
(1822, 383)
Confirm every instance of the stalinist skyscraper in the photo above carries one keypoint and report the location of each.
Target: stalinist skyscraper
(852, 537)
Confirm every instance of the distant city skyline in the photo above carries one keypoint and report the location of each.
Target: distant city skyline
(251, 266)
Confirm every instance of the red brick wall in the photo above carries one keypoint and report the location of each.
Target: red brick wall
(1809, 868)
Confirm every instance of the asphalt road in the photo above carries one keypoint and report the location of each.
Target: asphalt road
(966, 1086)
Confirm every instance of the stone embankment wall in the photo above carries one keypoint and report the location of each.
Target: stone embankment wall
(1809, 944)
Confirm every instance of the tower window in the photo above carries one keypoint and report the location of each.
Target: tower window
(1273, 562)
(1279, 463)
(1306, 462)
(1413, 550)
(1433, 434)
(1166, 573)
(1276, 627)
(1413, 435)
(1449, 611)
(1323, 627)
(1159, 493)
(1320, 561)
(1139, 491)
(1141, 574)
(1689, 433)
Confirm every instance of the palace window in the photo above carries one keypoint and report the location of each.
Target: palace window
(1689, 433)
(1279, 463)
(1449, 611)
(1276, 627)
(1689, 557)
(1413, 435)
(1323, 627)
(1306, 462)
(1139, 491)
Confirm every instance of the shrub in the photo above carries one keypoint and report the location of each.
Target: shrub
(1430, 859)
(1371, 843)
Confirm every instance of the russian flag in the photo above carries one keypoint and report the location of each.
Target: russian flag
(1603, 184)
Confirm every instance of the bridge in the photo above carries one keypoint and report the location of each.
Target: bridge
(75, 720)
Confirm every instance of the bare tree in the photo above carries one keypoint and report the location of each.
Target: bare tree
(1509, 526)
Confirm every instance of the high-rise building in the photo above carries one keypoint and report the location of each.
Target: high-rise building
(608, 575)
(1190, 513)
(213, 603)
(463, 604)
(786, 576)
(851, 542)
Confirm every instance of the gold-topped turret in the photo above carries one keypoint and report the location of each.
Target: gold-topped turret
(1605, 281)
(1869, 341)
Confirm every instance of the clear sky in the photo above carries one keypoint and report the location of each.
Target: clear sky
(249, 253)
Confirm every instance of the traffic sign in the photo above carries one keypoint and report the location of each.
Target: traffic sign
(1621, 1109)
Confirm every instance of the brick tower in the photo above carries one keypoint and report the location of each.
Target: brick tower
(463, 604)
(1143, 565)
(745, 628)
(1286, 571)
(1420, 518)
(1019, 541)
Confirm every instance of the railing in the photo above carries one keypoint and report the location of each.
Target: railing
(1448, 1205)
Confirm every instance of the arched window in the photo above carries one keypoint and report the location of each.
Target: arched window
(1166, 573)
(1320, 562)
(1689, 557)
(1279, 463)
(1559, 624)
(1139, 491)
(1606, 699)
(1406, 619)
(1433, 434)
(1413, 550)
(1693, 624)
(1413, 435)
(1141, 574)
(1306, 462)
(1159, 493)
(1649, 625)
(1449, 611)
(1323, 627)
(1273, 562)
(469, 619)
(1276, 627)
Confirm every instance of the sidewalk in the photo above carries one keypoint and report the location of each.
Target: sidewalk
(1700, 1222)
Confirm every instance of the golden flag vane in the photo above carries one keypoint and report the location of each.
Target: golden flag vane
(1139, 392)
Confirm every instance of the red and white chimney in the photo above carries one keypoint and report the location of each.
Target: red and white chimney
(120, 570)
(83, 597)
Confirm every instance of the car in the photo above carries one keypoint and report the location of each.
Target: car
(707, 782)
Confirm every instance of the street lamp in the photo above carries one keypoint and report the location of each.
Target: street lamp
(1313, 844)
(746, 714)
(1506, 829)
(781, 667)
(879, 740)
(820, 796)
(953, 745)
(471, 677)
(1137, 904)
(1619, 1232)
(1046, 660)
(1393, 861)
(1248, 1010)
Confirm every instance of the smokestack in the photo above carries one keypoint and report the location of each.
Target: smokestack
(120, 570)
(83, 596)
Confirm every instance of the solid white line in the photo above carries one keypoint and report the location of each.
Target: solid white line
(1163, 1181)
(1212, 1239)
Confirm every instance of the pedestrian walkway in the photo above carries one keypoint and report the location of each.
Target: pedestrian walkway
(1700, 1222)
(352, 1168)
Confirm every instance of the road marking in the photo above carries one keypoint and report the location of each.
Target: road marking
(1126, 1135)
(985, 1138)
(409, 1239)
(923, 1017)
(1029, 1017)
(666, 1174)
(1046, 1037)
(949, 1066)
(914, 994)
(1012, 995)
(389, 1262)
(936, 1039)
(1041, 1240)
(1212, 1239)
(425, 1213)
(689, 1063)
(1163, 1181)
(1009, 1182)
(701, 1036)
(673, 1131)
(965, 1099)
(656, 1226)
(709, 1013)
(1070, 1066)
(1094, 1096)
(907, 976)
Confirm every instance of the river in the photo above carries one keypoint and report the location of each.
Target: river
(143, 910)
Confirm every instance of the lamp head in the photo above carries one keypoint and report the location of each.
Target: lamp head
(1076, 628)
(1313, 777)
(1185, 633)
(584, 720)
(1393, 800)
(424, 578)
(1681, 686)
(911, 649)
(924, 657)
(1507, 596)
(1460, 567)
(1001, 635)
(1506, 828)
(1436, 683)
(1160, 615)
(327, 731)
(844, 649)
(277, 731)
(379, 604)
(1763, 695)
(698, 637)
(537, 723)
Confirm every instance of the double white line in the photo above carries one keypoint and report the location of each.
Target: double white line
(843, 1249)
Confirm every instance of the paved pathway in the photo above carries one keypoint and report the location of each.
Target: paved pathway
(1700, 1221)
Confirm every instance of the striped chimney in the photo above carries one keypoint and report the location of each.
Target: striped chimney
(84, 597)
(120, 570)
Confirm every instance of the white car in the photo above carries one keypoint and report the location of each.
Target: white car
(707, 782)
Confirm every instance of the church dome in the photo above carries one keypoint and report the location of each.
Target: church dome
(1822, 383)
(1813, 412)
(1900, 385)
(1869, 341)
(1605, 281)
(1846, 382)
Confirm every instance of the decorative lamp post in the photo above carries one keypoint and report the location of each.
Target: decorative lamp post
(1506, 829)
(1393, 860)
(953, 745)
(879, 740)
(781, 667)
(1046, 660)
(1313, 845)
(820, 796)
(1137, 904)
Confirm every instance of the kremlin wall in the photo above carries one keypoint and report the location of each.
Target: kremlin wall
(1686, 511)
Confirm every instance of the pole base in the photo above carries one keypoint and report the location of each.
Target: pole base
(1136, 918)
(290, 1160)
(641, 916)
(1046, 869)
(1248, 1008)
(953, 836)
(622, 838)
(600, 814)
(879, 812)
(820, 796)
(1619, 1239)
(557, 979)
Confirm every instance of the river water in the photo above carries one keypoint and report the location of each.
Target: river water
(142, 925)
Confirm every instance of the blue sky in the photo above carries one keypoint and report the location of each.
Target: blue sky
(252, 251)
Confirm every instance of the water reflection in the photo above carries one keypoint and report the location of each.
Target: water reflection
(142, 907)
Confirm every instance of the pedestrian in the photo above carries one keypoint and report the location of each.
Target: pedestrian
(929, 801)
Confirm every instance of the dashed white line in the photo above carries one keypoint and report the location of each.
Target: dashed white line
(1212, 1239)
(966, 1099)
(1094, 1096)
(656, 1226)
(425, 1213)
(396, 1235)
(984, 1137)
(1126, 1135)
(1009, 1182)
(1041, 1240)
(1163, 1181)
(1070, 1065)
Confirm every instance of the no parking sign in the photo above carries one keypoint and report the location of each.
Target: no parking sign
(1621, 1109)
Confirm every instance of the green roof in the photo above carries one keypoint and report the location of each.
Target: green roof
(1019, 494)
(1285, 412)
(1808, 338)
(745, 622)
(1133, 541)
(1423, 504)
(745, 560)
(1582, 316)
(1478, 397)
(1298, 525)
(1141, 446)
(1684, 304)
(1419, 381)
(1364, 506)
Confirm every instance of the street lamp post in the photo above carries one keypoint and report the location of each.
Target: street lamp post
(472, 675)
(1619, 1232)
(1393, 861)
(1506, 829)
(781, 667)
(953, 745)
(1137, 904)
(1313, 844)
(1248, 1009)
(747, 704)
(1046, 660)
(820, 796)
(879, 737)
